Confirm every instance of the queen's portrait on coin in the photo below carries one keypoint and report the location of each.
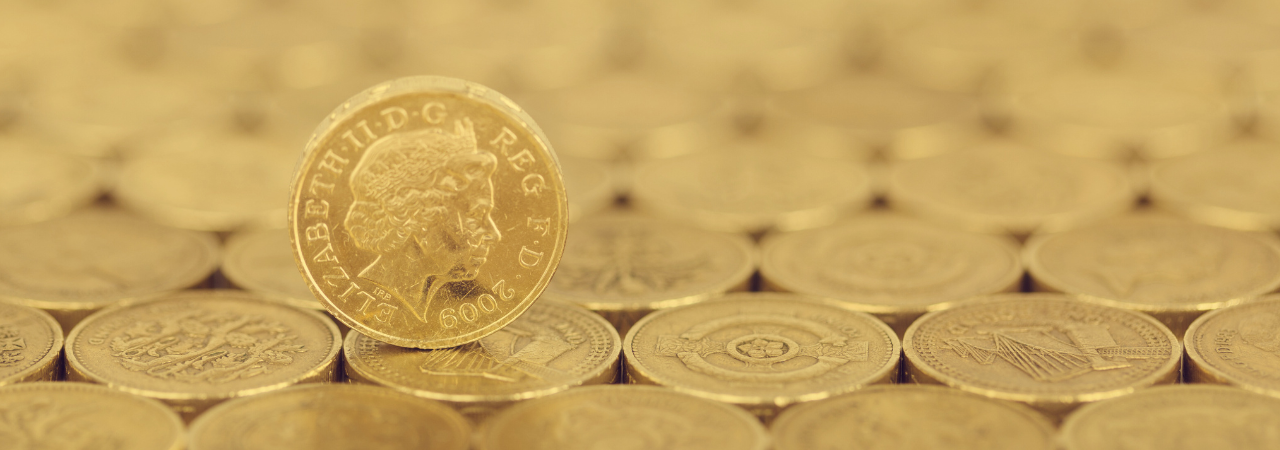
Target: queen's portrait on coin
(422, 202)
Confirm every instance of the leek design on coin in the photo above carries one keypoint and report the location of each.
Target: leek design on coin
(428, 212)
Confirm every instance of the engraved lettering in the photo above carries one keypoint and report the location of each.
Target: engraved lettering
(395, 117)
(318, 186)
(316, 209)
(529, 258)
(351, 137)
(533, 184)
(504, 139)
(333, 163)
(319, 231)
(12, 346)
(342, 275)
(363, 125)
(434, 112)
(504, 295)
(386, 312)
(543, 225)
(524, 157)
(326, 254)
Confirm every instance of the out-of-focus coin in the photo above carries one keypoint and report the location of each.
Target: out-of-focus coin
(193, 350)
(30, 344)
(761, 351)
(911, 417)
(73, 266)
(1009, 189)
(262, 261)
(892, 267)
(1176, 417)
(80, 415)
(337, 416)
(1237, 346)
(428, 212)
(1232, 187)
(589, 184)
(38, 184)
(552, 347)
(1049, 351)
(752, 190)
(1172, 269)
(641, 417)
(626, 266)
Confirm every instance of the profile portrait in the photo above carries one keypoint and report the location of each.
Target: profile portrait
(422, 202)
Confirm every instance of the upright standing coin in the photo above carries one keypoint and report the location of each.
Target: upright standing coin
(39, 184)
(36, 416)
(262, 261)
(1239, 345)
(1232, 187)
(761, 351)
(1176, 417)
(626, 266)
(1049, 351)
(552, 347)
(428, 212)
(617, 417)
(195, 349)
(894, 268)
(30, 344)
(911, 417)
(1172, 269)
(330, 416)
(76, 265)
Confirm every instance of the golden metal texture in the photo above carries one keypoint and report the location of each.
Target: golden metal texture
(589, 184)
(1237, 346)
(66, 415)
(615, 417)
(195, 349)
(40, 184)
(30, 345)
(330, 416)
(1176, 417)
(261, 261)
(1234, 186)
(428, 212)
(1049, 351)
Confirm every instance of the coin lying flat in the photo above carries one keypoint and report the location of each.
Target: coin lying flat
(333, 416)
(639, 417)
(73, 266)
(626, 266)
(1049, 351)
(261, 261)
(1237, 346)
(1229, 187)
(892, 267)
(1176, 417)
(913, 418)
(552, 347)
(39, 184)
(1009, 189)
(30, 344)
(80, 415)
(1172, 269)
(195, 349)
(762, 351)
(589, 184)
(428, 212)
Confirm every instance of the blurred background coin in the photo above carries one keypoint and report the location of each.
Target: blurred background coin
(32, 345)
(39, 184)
(1229, 186)
(68, 415)
(1170, 416)
(261, 261)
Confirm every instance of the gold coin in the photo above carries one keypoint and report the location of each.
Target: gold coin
(1049, 351)
(73, 266)
(330, 416)
(914, 418)
(552, 347)
(1172, 269)
(40, 184)
(428, 212)
(261, 261)
(1009, 189)
(589, 185)
(761, 351)
(1176, 417)
(626, 266)
(80, 415)
(616, 417)
(192, 350)
(30, 345)
(1230, 187)
(1237, 346)
(892, 267)
(752, 191)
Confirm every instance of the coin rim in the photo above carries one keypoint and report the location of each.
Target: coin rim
(1067, 431)
(47, 365)
(179, 430)
(235, 247)
(1197, 361)
(77, 196)
(1170, 195)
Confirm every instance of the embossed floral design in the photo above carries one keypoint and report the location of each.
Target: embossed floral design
(12, 347)
(763, 348)
(202, 347)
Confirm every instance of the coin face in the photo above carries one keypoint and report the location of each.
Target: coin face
(552, 347)
(1229, 187)
(761, 351)
(1237, 346)
(68, 415)
(1183, 417)
(428, 212)
(338, 416)
(1009, 189)
(30, 344)
(262, 261)
(195, 349)
(911, 418)
(893, 267)
(41, 184)
(615, 417)
(1047, 350)
(79, 264)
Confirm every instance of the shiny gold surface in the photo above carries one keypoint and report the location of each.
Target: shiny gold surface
(30, 345)
(1176, 417)
(261, 261)
(428, 212)
(80, 415)
(1236, 346)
